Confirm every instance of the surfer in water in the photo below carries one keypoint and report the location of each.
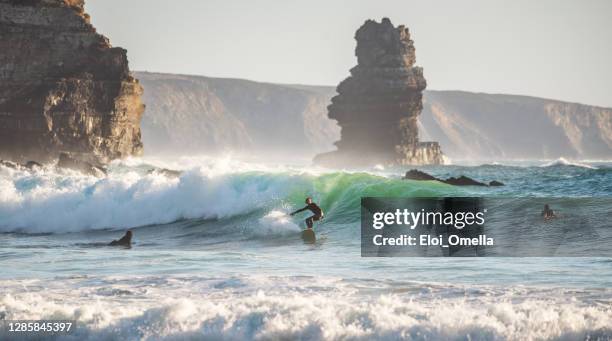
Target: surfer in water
(548, 213)
(126, 240)
(315, 209)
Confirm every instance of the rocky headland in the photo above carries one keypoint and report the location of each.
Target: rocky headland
(377, 107)
(63, 87)
(197, 114)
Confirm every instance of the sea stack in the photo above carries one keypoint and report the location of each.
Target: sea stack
(378, 105)
(63, 87)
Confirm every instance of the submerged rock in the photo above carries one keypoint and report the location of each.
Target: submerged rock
(63, 87)
(415, 174)
(171, 173)
(9, 164)
(463, 181)
(378, 105)
(70, 162)
(32, 165)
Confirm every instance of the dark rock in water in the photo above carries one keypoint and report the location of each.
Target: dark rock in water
(378, 105)
(68, 161)
(171, 173)
(415, 174)
(32, 165)
(63, 87)
(463, 181)
(9, 164)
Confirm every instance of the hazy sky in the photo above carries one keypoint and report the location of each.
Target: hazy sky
(548, 48)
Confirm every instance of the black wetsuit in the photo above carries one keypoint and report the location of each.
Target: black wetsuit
(548, 213)
(317, 214)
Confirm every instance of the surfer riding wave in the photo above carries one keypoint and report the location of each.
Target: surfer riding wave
(314, 208)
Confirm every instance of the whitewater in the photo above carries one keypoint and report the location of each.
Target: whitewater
(216, 256)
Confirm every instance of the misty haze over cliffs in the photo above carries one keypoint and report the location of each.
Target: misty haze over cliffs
(192, 114)
(195, 114)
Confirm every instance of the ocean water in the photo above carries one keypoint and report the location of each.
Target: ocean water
(215, 256)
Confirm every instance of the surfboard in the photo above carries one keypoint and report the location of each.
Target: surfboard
(308, 236)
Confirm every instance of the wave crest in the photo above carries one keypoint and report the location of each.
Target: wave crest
(52, 202)
(564, 162)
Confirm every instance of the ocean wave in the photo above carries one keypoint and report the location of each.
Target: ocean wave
(264, 308)
(564, 162)
(57, 201)
(53, 202)
(50, 200)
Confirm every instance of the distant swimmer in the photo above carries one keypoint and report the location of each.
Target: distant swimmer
(126, 240)
(315, 209)
(547, 212)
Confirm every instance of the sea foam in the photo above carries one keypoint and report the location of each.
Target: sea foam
(56, 201)
(276, 223)
(265, 308)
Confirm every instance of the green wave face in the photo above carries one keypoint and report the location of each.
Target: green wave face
(339, 194)
(59, 202)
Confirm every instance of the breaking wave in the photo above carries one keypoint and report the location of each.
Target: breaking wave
(57, 201)
(274, 286)
(49, 201)
(564, 162)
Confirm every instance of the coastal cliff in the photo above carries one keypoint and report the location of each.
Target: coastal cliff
(483, 126)
(63, 87)
(197, 114)
(377, 107)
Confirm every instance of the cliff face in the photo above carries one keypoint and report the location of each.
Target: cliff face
(379, 104)
(193, 114)
(497, 127)
(62, 86)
